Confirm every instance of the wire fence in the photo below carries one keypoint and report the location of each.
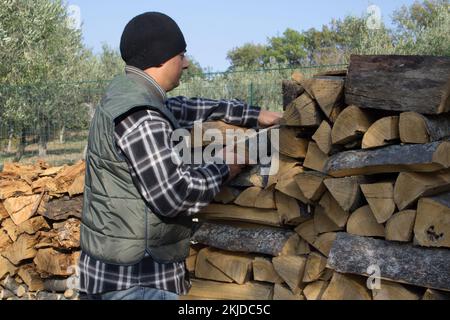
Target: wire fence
(50, 122)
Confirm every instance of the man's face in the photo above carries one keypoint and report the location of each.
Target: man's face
(173, 69)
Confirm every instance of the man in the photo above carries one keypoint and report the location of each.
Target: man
(138, 201)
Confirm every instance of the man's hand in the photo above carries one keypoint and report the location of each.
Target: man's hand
(269, 118)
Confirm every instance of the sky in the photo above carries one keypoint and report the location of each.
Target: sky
(212, 27)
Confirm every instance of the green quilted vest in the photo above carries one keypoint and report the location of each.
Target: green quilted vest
(117, 225)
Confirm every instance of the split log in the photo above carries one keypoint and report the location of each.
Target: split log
(33, 225)
(292, 270)
(45, 184)
(287, 185)
(315, 266)
(323, 137)
(394, 291)
(291, 142)
(49, 262)
(383, 132)
(3, 213)
(311, 184)
(5, 294)
(398, 262)
(291, 117)
(205, 270)
(397, 158)
(250, 177)
(315, 290)
(333, 210)
(380, 197)
(266, 199)
(14, 188)
(291, 90)
(400, 226)
(308, 111)
(235, 213)
(322, 223)
(248, 197)
(363, 223)
(46, 296)
(346, 191)
(227, 195)
(290, 210)
(307, 231)
(410, 186)
(399, 83)
(22, 249)
(315, 158)
(16, 288)
(65, 235)
(324, 242)
(63, 208)
(56, 285)
(280, 165)
(262, 240)
(31, 278)
(11, 229)
(23, 208)
(418, 128)
(230, 291)
(432, 226)
(283, 293)
(5, 240)
(65, 178)
(346, 287)
(6, 267)
(350, 126)
(236, 266)
(328, 91)
(263, 270)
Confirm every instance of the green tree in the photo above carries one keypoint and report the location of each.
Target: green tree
(247, 56)
(288, 48)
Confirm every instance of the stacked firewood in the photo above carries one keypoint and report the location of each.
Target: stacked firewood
(40, 211)
(360, 206)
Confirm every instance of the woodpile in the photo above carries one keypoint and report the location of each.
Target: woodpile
(360, 206)
(40, 211)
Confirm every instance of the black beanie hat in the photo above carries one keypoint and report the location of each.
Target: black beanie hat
(151, 39)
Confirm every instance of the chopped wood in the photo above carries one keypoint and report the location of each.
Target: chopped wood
(346, 287)
(5, 240)
(230, 291)
(248, 197)
(3, 213)
(5, 294)
(302, 248)
(52, 171)
(205, 270)
(311, 184)
(262, 240)
(291, 117)
(235, 213)
(324, 242)
(65, 235)
(290, 210)
(346, 191)
(307, 231)
(323, 223)
(12, 285)
(315, 290)
(418, 128)
(263, 270)
(399, 83)
(432, 225)
(410, 186)
(279, 166)
(380, 197)
(400, 226)
(11, 229)
(50, 262)
(266, 199)
(66, 177)
(308, 111)
(287, 185)
(31, 278)
(315, 158)
(33, 225)
(77, 187)
(363, 223)
(323, 137)
(394, 291)
(250, 177)
(281, 292)
(14, 188)
(442, 154)
(237, 267)
(333, 210)
(398, 262)
(383, 132)
(56, 285)
(315, 266)
(291, 143)
(23, 208)
(291, 269)
(6, 267)
(351, 125)
(418, 157)
(45, 184)
(431, 294)
(22, 249)
(63, 208)
(291, 90)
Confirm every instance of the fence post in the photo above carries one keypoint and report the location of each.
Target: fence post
(250, 94)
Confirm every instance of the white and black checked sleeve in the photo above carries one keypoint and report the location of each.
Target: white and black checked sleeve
(170, 187)
(189, 110)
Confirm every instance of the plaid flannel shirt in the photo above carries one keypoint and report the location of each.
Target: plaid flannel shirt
(170, 189)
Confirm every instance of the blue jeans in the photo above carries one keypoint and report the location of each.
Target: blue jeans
(135, 293)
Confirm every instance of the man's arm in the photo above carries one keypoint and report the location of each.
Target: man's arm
(236, 112)
(169, 187)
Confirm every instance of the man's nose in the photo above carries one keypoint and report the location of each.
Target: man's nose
(186, 63)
